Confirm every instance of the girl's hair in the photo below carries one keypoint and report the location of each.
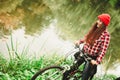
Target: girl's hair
(94, 33)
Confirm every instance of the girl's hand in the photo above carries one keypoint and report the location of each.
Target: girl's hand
(77, 43)
(94, 62)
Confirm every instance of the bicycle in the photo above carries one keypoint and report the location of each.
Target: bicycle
(65, 72)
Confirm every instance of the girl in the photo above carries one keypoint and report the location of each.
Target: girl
(96, 44)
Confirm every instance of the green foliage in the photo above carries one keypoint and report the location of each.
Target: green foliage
(37, 15)
(24, 68)
(33, 14)
(9, 5)
(115, 43)
(19, 69)
(115, 3)
(112, 2)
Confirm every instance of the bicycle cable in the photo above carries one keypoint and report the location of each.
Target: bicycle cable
(64, 58)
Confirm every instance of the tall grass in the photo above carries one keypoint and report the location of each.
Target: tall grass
(12, 50)
(24, 68)
(21, 69)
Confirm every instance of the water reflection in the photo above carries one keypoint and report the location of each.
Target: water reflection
(40, 44)
(33, 15)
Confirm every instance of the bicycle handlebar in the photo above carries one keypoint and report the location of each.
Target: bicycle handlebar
(82, 54)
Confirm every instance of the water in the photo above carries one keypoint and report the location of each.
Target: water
(45, 43)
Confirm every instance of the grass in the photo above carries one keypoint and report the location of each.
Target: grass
(21, 69)
(24, 68)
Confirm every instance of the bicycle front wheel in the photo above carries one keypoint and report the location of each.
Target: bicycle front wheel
(49, 73)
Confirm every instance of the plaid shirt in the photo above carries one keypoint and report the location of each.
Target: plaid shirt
(100, 46)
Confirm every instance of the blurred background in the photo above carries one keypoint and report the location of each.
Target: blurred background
(32, 28)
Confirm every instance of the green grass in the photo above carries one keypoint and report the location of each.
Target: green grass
(21, 69)
(24, 68)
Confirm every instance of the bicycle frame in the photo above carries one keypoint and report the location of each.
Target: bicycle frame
(64, 69)
(75, 65)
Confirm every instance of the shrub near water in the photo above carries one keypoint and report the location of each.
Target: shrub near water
(23, 69)
(17, 69)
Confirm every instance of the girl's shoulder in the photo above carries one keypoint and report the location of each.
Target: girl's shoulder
(106, 33)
